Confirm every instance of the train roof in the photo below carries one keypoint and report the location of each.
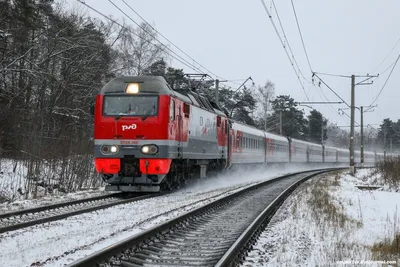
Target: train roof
(246, 128)
(275, 136)
(158, 85)
(150, 84)
(305, 142)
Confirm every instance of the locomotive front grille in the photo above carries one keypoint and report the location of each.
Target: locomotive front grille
(130, 166)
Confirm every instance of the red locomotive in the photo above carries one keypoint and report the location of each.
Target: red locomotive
(149, 137)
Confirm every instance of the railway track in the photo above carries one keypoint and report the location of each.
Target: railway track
(24, 218)
(217, 234)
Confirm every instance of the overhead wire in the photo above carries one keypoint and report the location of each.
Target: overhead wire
(187, 64)
(387, 79)
(130, 7)
(152, 36)
(398, 41)
(283, 44)
(304, 48)
(301, 36)
(287, 41)
(334, 75)
(333, 91)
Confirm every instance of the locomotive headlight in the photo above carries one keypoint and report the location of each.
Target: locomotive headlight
(105, 150)
(109, 150)
(149, 149)
(132, 88)
(114, 149)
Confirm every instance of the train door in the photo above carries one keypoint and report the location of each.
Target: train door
(229, 143)
(180, 132)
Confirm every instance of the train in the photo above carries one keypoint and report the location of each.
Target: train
(149, 137)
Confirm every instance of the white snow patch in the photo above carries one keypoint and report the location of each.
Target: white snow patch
(61, 242)
(301, 235)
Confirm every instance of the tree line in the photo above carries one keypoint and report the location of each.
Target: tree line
(53, 63)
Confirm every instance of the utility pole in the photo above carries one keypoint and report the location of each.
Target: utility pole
(352, 169)
(362, 136)
(368, 109)
(351, 106)
(280, 122)
(384, 142)
(217, 92)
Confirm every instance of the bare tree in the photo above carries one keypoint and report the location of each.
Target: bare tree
(264, 95)
(137, 50)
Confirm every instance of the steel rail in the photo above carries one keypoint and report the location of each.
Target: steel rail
(235, 253)
(55, 206)
(118, 251)
(33, 222)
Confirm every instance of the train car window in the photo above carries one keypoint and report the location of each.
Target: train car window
(218, 121)
(172, 110)
(186, 110)
(201, 121)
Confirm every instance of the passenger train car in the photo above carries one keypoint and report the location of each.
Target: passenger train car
(149, 137)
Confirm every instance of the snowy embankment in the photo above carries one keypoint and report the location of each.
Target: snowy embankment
(13, 186)
(330, 222)
(63, 241)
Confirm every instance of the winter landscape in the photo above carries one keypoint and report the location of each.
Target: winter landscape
(212, 108)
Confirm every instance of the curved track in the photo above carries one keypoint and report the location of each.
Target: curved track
(29, 217)
(215, 234)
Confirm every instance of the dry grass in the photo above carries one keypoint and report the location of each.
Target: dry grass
(389, 248)
(325, 207)
(390, 169)
(327, 223)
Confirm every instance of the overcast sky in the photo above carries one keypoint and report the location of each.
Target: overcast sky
(235, 39)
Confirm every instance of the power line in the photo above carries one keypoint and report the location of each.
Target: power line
(398, 41)
(333, 91)
(132, 32)
(388, 67)
(287, 41)
(383, 87)
(169, 40)
(283, 44)
(152, 36)
(334, 75)
(301, 36)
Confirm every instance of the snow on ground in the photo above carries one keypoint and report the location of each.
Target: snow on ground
(63, 241)
(50, 199)
(330, 222)
(12, 183)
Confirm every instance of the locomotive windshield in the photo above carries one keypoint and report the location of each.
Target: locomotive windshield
(130, 105)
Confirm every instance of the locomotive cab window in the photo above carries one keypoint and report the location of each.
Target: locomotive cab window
(186, 110)
(130, 105)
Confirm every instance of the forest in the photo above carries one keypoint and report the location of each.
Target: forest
(54, 61)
